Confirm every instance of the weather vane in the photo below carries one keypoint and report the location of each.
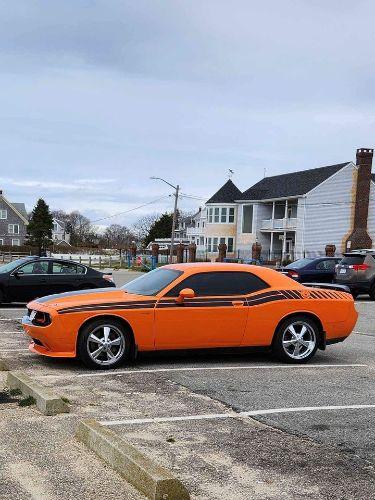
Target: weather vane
(230, 173)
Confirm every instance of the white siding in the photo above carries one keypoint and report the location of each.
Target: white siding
(328, 213)
(371, 215)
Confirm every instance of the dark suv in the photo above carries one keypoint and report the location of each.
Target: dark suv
(357, 271)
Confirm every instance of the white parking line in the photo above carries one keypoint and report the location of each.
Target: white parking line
(203, 368)
(4, 351)
(10, 319)
(252, 413)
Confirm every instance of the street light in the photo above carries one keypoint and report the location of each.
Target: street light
(177, 189)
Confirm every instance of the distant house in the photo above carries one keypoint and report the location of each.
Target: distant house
(60, 235)
(13, 222)
(297, 214)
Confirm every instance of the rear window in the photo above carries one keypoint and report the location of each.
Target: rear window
(352, 260)
(298, 264)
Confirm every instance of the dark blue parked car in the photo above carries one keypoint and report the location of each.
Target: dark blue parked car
(320, 270)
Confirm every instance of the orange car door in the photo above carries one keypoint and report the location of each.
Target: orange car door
(215, 317)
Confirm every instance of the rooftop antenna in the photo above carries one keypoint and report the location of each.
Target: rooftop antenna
(230, 173)
(264, 172)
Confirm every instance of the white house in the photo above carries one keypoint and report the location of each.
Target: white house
(60, 234)
(296, 214)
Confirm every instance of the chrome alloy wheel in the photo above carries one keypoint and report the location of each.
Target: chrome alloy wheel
(299, 340)
(106, 344)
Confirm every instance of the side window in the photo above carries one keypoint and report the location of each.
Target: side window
(65, 268)
(38, 267)
(220, 283)
(326, 265)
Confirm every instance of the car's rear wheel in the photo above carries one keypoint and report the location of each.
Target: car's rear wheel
(104, 344)
(296, 339)
(1, 297)
(372, 292)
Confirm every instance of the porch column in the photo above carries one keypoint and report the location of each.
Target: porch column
(286, 209)
(284, 246)
(273, 214)
(271, 245)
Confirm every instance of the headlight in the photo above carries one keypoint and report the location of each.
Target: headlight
(39, 318)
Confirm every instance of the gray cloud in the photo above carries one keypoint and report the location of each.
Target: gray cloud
(123, 90)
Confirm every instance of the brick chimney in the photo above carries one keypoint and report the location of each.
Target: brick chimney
(359, 237)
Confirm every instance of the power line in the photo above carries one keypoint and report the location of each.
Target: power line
(131, 209)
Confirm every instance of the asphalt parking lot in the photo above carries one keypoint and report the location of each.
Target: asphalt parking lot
(233, 425)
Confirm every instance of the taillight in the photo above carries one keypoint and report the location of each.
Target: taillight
(108, 277)
(359, 267)
(293, 274)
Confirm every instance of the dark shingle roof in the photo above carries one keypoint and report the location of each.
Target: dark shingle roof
(226, 194)
(293, 184)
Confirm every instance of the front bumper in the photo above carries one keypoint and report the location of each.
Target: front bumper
(44, 340)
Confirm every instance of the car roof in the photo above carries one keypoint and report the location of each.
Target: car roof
(272, 277)
(55, 259)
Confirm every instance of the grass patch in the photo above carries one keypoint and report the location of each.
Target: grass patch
(29, 401)
(15, 392)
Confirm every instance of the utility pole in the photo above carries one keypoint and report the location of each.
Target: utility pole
(174, 220)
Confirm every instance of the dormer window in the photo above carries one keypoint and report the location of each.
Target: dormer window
(3, 214)
(221, 215)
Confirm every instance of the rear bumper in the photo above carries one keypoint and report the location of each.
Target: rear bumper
(357, 286)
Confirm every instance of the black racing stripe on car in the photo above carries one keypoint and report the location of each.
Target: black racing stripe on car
(56, 296)
(288, 294)
(106, 308)
(257, 300)
(265, 300)
(108, 305)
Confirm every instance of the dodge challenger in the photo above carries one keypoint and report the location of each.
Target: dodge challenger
(191, 306)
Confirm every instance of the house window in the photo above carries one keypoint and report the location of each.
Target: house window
(223, 215)
(217, 215)
(13, 229)
(55, 228)
(247, 219)
(214, 244)
(15, 243)
(3, 214)
(209, 244)
(231, 215)
(230, 245)
(210, 212)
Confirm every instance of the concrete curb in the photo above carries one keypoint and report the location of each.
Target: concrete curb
(46, 401)
(151, 479)
(3, 366)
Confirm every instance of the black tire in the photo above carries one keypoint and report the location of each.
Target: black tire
(1, 297)
(86, 287)
(372, 292)
(354, 295)
(283, 345)
(86, 348)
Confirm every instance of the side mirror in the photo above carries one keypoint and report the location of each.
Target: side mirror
(18, 273)
(186, 293)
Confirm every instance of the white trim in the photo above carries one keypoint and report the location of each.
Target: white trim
(266, 200)
(14, 209)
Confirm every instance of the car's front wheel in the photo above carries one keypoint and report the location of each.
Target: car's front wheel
(296, 339)
(104, 344)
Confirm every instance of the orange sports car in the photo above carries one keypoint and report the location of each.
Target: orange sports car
(191, 306)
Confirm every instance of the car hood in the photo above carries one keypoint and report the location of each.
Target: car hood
(96, 296)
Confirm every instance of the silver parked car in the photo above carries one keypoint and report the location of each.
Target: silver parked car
(357, 271)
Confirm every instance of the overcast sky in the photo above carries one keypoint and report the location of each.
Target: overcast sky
(99, 95)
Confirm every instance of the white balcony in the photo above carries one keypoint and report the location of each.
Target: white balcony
(195, 231)
(278, 224)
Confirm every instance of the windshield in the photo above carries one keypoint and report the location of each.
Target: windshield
(7, 268)
(350, 260)
(298, 264)
(152, 282)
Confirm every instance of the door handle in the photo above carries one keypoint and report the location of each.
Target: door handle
(238, 303)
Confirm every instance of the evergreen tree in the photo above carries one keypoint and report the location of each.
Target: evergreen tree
(161, 228)
(39, 230)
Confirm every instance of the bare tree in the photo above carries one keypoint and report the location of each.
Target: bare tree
(142, 226)
(117, 236)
